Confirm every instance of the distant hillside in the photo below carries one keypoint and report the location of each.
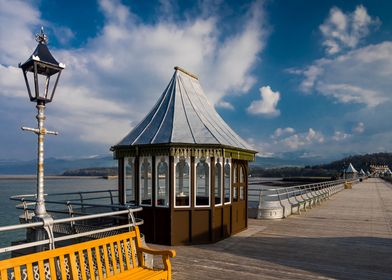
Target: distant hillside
(359, 161)
(54, 166)
(333, 169)
(102, 171)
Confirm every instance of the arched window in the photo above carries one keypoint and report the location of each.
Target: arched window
(202, 194)
(162, 182)
(145, 179)
(242, 182)
(129, 180)
(218, 182)
(235, 181)
(227, 182)
(182, 182)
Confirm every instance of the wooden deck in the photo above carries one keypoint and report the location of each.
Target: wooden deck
(346, 237)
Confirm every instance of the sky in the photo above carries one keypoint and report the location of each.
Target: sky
(296, 79)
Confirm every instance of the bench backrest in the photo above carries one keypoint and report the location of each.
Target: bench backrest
(87, 260)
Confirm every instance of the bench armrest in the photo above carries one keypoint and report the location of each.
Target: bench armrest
(170, 253)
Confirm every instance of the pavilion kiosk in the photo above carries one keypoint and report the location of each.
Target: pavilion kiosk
(351, 172)
(186, 167)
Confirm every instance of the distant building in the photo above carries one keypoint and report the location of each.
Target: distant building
(379, 170)
(186, 167)
(351, 172)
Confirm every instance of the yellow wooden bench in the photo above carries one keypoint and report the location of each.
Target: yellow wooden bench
(116, 257)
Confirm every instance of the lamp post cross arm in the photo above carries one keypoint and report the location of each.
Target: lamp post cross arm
(42, 131)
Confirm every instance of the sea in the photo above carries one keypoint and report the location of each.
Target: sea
(9, 215)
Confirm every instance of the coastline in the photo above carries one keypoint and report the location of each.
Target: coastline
(49, 177)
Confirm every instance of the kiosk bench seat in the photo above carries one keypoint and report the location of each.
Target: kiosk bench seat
(115, 257)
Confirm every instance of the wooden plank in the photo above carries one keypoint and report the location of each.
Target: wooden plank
(120, 256)
(62, 268)
(82, 265)
(106, 257)
(127, 259)
(114, 262)
(98, 261)
(72, 266)
(29, 269)
(41, 270)
(90, 264)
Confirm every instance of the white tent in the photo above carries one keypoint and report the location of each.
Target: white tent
(351, 169)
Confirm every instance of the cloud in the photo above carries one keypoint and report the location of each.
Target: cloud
(360, 76)
(282, 132)
(224, 105)
(298, 140)
(359, 128)
(267, 103)
(345, 31)
(112, 81)
(340, 136)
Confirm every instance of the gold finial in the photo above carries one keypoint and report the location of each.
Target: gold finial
(177, 68)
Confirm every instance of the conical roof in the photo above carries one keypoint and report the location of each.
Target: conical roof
(362, 172)
(351, 169)
(183, 115)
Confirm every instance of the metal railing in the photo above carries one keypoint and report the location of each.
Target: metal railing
(75, 203)
(49, 224)
(279, 202)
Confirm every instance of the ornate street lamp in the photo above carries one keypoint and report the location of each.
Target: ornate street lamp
(39, 71)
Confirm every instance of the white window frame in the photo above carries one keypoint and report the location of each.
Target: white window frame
(157, 161)
(224, 186)
(126, 159)
(222, 180)
(188, 161)
(208, 161)
(141, 159)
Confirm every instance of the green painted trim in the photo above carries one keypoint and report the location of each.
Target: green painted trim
(237, 154)
(182, 150)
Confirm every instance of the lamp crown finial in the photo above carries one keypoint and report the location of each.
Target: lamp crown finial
(41, 38)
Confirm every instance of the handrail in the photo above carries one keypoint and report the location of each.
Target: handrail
(132, 221)
(277, 202)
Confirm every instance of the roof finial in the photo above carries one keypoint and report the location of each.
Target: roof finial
(41, 38)
(177, 68)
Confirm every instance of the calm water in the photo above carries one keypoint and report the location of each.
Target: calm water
(9, 214)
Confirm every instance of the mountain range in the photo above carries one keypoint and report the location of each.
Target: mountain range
(56, 166)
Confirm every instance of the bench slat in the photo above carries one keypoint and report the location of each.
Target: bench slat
(126, 248)
(17, 273)
(98, 261)
(132, 248)
(106, 257)
(114, 261)
(62, 268)
(41, 270)
(120, 255)
(72, 266)
(90, 264)
(82, 265)
(29, 268)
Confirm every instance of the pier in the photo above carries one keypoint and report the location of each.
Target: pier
(349, 236)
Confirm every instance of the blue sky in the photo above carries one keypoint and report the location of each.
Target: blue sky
(306, 79)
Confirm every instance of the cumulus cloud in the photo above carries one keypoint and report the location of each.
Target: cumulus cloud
(359, 128)
(282, 132)
(225, 105)
(345, 30)
(298, 140)
(112, 81)
(267, 103)
(340, 136)
(360, 76)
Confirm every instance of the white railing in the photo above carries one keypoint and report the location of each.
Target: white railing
(49, 224)
(280, 202)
